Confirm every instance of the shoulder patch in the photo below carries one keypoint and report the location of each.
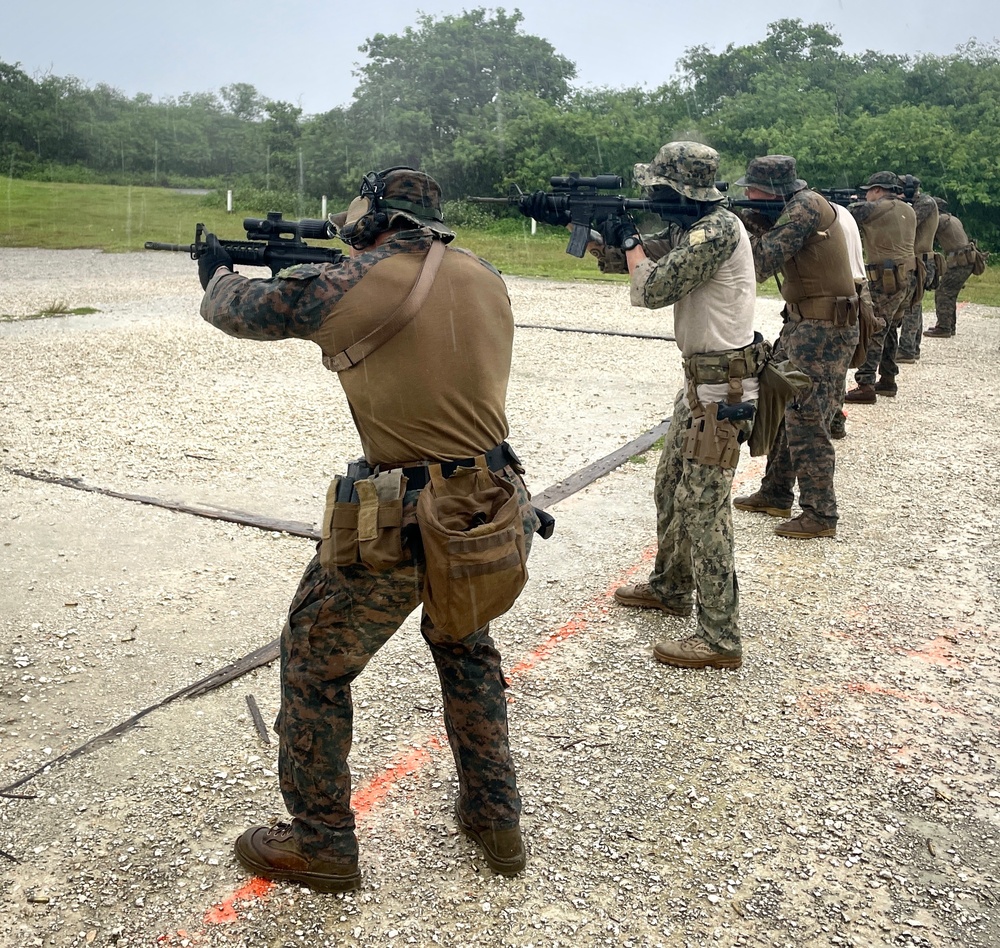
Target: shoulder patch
(300, 271)
(698, 236)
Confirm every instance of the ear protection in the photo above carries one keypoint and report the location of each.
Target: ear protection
(373, 219)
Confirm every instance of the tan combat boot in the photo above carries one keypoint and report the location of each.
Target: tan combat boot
(694, 652)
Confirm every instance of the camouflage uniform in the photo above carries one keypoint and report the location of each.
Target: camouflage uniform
(340, 617)
(337, 621)
(803, 450)
(693, 513)
(955, 245)
(926, 210)
(889, 303)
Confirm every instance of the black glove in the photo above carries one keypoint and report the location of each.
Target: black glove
(214, 257)
(539, 207)
(615, 229)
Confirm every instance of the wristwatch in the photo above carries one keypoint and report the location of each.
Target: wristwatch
(631, 242)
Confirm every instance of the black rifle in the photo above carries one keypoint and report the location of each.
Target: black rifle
(578, 197)
(271, 242)
(841, 196)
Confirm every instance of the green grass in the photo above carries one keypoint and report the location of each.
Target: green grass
(117, 219)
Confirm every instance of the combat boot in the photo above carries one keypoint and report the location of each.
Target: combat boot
(757, 503)
(886, 388)
(642, 595)
(694, 652)
(862, 395)
(939, 332)
(838, 430)
(272, 852)
(503, 846)
(804, 527)
(907, 359)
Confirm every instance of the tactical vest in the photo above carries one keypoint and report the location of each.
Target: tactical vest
(951, 234)
(889, 233)
(819, 274)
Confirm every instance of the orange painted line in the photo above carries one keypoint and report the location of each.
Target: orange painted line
(367, 797)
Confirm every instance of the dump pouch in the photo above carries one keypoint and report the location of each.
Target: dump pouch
(711, 441)
(868, 325)
(978, 260)
(473, 539)
(367, 528)
(780, 383)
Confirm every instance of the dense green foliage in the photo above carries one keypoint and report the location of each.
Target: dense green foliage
(481, 105)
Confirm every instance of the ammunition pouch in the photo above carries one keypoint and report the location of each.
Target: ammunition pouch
(362, 522)
(891, 274)
(711, 441)
(840, 310)
(966, 257)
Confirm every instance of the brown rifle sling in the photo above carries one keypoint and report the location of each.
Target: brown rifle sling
(405, 312)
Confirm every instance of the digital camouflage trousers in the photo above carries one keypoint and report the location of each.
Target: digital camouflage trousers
(881, 356)
(946, 295)
(694, 528)
(337, 621)
(802, 450)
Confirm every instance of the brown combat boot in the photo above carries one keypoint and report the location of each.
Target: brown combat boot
(862, 395)
(642, 595)
(886, 388)
(694, 652)
(804, 527)
(273, 853)
(503, 848)
(939, 332)
(757, 503)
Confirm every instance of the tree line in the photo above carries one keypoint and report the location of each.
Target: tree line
(480, 104)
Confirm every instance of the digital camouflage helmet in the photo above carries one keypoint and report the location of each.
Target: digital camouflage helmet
(690, 168)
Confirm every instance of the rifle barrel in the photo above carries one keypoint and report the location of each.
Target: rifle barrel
(156, 245)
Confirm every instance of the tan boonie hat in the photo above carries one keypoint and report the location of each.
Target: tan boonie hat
(772, 173)
(887, 180)
(403, 194)
(690, 168)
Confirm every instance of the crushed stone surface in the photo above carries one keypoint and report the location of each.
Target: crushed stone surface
(841, 789)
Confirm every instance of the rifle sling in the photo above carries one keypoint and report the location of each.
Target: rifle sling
(402, 315)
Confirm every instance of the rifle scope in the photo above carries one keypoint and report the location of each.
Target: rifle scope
(274, 227)
(602, 182)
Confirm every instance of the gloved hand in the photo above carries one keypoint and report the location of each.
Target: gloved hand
(539, 207)
(215, 256)
(615, 229)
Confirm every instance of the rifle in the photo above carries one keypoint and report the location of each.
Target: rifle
(842, 196)
(578, 196)
(270, 242)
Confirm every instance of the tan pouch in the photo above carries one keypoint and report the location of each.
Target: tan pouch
(780, 383)
(473, 538)
(710, 441)
(868, 325)
(978, 260)
(368, 532)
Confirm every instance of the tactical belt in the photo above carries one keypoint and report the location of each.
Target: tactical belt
(965, 257)
(418, 474)
(839, 310)
(713, 368)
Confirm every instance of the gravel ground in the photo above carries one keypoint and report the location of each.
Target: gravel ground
(841, 789)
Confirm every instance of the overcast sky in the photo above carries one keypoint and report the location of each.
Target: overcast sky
(306, 52)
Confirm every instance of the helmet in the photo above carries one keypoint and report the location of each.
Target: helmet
(888, 180)
(690, 168)
(772, 173)
(387, 197)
